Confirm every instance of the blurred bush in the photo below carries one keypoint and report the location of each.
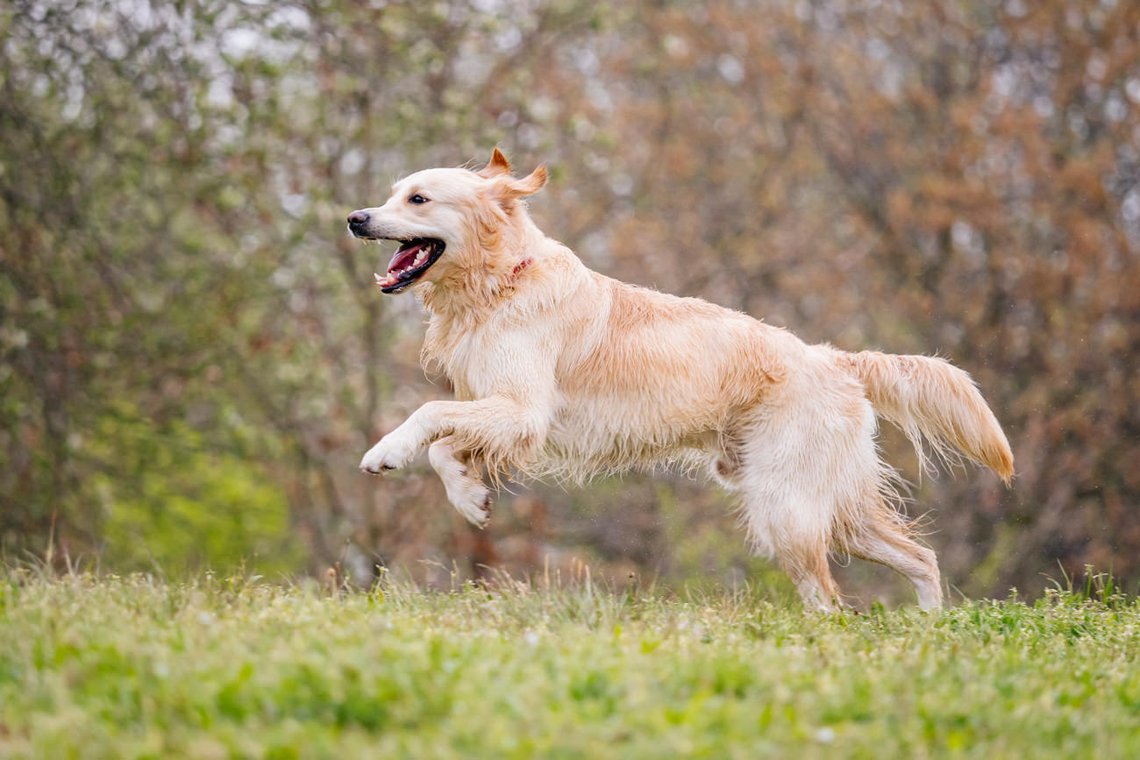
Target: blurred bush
(192, 357)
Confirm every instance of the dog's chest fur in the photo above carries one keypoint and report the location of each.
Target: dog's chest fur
(492, 356)
(460, 352)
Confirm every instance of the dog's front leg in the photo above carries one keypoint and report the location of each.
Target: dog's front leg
(398, 448)
(467, 493)
(503, 430)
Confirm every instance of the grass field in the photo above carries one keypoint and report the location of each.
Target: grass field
(215, 668)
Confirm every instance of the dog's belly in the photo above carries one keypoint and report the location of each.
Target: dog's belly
(598, 435)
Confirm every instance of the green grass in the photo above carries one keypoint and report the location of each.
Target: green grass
(137, 667)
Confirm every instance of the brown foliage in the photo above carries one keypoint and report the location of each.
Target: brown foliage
(945, 177)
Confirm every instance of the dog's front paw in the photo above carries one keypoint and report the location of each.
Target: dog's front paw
(391, 453)
(472, 499)
(467, 494)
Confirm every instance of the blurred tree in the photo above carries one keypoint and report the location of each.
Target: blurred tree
(957, 178)
(177, 292)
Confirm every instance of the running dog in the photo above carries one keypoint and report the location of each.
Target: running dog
(561, 372)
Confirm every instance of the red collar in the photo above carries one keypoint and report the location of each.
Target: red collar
(521, 266)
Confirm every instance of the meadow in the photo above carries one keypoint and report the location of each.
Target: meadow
(216, 667)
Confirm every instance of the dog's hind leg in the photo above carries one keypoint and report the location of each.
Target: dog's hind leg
(806, 564)
(790, 522)
(795, 532)
(884, 538)
(466, 493)
(780, 527)
(808, 459)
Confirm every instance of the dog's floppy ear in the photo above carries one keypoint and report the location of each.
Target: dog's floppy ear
(507, 190)
(530, 184)
(508, 187)
(496, 166)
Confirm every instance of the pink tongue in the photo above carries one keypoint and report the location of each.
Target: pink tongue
(405, 256)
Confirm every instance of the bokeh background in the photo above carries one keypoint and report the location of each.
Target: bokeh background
(193, 357)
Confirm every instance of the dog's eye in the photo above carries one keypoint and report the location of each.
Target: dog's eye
(417, 199)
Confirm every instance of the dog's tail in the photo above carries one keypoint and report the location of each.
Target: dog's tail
(931, 400)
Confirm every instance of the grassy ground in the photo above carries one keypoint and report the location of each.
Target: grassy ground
(134, 667)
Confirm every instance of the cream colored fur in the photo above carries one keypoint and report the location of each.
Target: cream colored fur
(560, 372)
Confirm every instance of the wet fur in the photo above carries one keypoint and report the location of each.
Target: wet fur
(563, 373)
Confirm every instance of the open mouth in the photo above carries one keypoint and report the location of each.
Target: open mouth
(413, 258)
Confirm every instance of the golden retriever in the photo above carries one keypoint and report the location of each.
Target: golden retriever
(562, 372)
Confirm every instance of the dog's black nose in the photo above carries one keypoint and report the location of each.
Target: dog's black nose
(357, 218)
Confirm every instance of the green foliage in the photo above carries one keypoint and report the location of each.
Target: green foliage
(941, 177)
(190, 508)
(133, 667)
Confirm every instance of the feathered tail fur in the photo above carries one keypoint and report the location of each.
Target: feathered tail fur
(931, 400)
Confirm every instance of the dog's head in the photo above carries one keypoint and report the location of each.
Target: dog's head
(449, 222)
